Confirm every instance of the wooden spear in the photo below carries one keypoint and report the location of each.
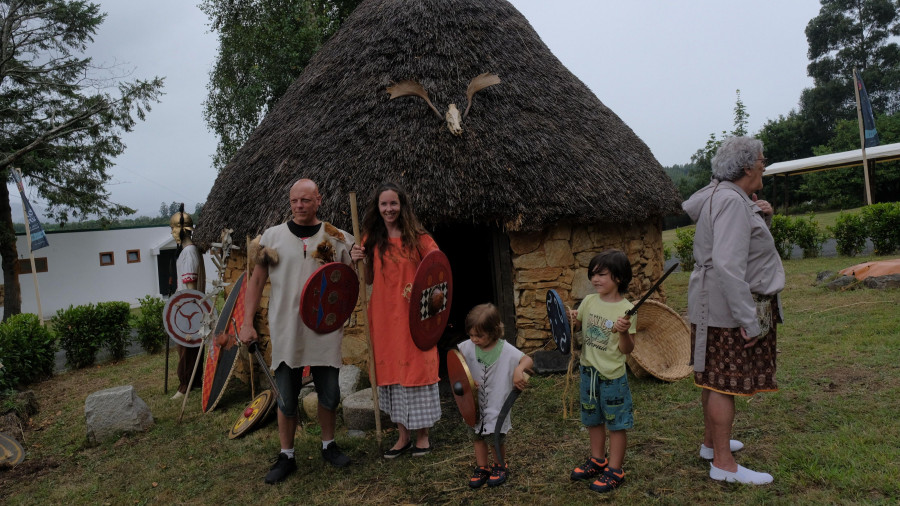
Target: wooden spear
(364, 302)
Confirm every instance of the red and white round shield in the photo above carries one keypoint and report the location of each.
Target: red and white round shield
(429, 302)
(183, 317)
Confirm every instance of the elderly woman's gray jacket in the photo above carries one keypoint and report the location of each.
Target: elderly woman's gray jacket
(735, 257)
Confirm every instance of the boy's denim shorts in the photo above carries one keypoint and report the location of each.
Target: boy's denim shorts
(611, 403)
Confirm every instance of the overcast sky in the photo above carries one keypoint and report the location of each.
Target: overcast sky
(668, 69)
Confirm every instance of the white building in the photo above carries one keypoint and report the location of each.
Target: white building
(81, 267)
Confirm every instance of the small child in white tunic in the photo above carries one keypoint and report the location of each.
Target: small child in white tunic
(497, 367)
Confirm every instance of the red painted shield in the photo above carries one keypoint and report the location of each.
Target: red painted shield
(463, 387)
(329, 297)
(429, 301)
(222, 352)
(183, 317)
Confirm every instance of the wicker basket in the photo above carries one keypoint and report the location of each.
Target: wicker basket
(662, 346)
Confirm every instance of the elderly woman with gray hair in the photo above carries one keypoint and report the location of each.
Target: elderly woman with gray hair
(733, 299)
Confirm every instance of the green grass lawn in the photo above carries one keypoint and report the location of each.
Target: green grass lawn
(830, 435)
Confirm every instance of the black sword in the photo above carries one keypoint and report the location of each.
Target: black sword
(633, 311)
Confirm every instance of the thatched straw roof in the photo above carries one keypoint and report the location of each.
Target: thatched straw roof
(535, 149)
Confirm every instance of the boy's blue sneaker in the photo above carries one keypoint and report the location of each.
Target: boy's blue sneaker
(610, 479)
(480, 476)
(589, 469)
(498, 476)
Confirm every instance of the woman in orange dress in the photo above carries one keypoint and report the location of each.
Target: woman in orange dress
(394, 244)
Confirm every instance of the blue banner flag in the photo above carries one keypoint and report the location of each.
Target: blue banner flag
(868, 117)
(38, 238)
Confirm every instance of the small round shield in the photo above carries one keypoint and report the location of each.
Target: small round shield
(559, 322)
(183, 317)
(429, 301)
(329, 297)
(11, 452)
(254, 413)
(463, 387)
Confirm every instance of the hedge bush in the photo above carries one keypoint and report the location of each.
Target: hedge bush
(850, 234)
(113, 325)
(782, 232)
(149, 324)
(883, 225)
(806, 233)
(83, 330)
(684, 248)
(77, 335)
(27, 351)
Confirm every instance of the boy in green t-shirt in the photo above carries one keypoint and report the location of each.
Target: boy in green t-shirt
(608, 336)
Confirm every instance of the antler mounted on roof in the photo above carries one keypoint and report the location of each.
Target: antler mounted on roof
(409, 87)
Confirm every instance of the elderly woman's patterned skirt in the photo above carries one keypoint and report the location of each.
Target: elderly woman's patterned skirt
(732, 369)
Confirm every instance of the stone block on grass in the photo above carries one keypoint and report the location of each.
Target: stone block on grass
(114, 411)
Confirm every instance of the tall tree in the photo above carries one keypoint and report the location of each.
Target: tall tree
(848, 34)
(59, 122)
(700, 168)
(263, 46)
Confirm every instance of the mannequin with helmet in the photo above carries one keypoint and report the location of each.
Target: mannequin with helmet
(191, 276)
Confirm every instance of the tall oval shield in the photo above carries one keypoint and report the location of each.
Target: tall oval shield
(429, 300)
(463, 387)
(221, 354)
(559, 322)
(183, 317)
(329, 297)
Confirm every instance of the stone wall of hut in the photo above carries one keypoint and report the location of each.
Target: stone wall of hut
(557, 258)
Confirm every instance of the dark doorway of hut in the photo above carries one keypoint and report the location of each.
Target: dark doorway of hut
(482, 272)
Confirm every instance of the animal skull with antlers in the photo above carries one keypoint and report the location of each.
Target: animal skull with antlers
(453, 118)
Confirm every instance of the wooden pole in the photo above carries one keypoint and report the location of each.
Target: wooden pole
(237, 331)
(37, 291)
(567, 397)
(364, 302)
(862, 140)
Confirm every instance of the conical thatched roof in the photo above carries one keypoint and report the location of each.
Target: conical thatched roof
(537, 148)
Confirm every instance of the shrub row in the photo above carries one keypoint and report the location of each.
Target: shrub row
(83, 330)
(149, 324)
(879, 223)
(27, 351)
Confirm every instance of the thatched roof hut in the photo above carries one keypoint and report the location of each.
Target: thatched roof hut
(536, 150)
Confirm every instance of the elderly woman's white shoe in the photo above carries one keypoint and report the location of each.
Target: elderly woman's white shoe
(742, 475)
(708, 453)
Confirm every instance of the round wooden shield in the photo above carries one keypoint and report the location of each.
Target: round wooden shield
(183, 317)
(254, 413)
(463, 387)
(222, 352)
(329, 297)
(11, 452)
(559, 322)
(429, 301)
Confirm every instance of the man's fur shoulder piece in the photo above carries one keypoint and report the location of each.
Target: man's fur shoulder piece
(324, 252)
(261, 255)
(334, 232)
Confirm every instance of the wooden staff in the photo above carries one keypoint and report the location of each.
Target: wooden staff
(237, 331)
(364, 302)
(567, 400)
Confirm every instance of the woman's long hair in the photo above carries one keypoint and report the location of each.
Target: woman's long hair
(376, 234)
